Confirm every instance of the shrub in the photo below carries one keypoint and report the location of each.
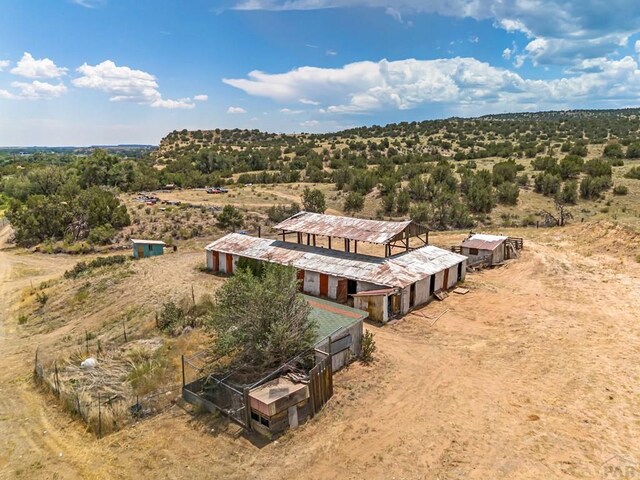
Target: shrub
(101, 235)
(620, 190)
(354, 202)
(569, 193)
(368, 348)
(82, 267)
(633, 173)
(592, 187)
(508, 193)
(547, 184)
(42, 298)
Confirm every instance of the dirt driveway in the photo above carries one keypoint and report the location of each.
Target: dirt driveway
(533, 374)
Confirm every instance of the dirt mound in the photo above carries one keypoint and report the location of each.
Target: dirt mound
(606, 237)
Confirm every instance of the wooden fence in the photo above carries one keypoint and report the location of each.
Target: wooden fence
(320, 384)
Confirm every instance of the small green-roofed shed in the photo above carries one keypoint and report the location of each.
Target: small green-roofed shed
(339, 329)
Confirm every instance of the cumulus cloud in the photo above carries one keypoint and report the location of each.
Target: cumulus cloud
(506, 53)
(125, 84)
(637, 47)
(236, 110)
(364, 87)
(573, 29)
(201, 98)
(37, 90)
(30, 67)
(4, 64)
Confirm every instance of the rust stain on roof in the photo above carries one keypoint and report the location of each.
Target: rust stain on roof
(373, 231)
(397, 271)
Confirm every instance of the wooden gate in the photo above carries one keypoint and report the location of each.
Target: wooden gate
(216, 261)
(229, 265)
(320, 384)
(445, 284)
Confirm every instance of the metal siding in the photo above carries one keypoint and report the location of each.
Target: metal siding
(405, 300)
(209, 260)
(333, 287)
(453, 277)
(396, 271)
(439, 281)
(422, 291)
(312, 283)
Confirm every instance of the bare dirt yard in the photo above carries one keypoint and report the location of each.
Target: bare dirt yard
(533, 374)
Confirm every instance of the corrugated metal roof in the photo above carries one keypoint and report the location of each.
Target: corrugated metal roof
(483, 241)
(373, 231)
(331, 317)
(397, 271)
(147, 242)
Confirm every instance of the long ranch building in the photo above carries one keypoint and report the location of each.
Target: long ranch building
(385, 287)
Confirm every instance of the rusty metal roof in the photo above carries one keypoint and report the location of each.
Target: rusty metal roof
(483, 241)
(397, 271)
(373, 231)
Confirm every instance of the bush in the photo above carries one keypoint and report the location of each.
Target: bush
(83, 267)
(368, 348)
(620, 190)
(569, 193)
(101, 235)
(547, 184)
(508, 193)
(598, 167)
(633, 173)
(354, 202)
(592, 187)
(230, 217)
(278, 213)
(42, 298)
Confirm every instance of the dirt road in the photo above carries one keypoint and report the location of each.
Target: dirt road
(533, 374)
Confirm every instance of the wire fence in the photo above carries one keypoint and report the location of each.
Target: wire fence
(90, 383)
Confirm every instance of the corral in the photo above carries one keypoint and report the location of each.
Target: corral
(413, 277)
(289, 394)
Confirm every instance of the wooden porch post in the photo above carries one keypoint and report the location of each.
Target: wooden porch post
(329, 242)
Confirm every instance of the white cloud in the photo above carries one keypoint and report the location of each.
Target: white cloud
(637, 47)
(90, 3)
(506, 53)
(201, 98)
(7, 95)
(125, 84)
(394, 13)
(236, 110)
(306, 101)
(364, 87)
(573, 29)
(30, 67)
(37, 90)
(310, 123)
(331, 53)
(288, 111)
(519, 60)
(4, 64)
(474, 39)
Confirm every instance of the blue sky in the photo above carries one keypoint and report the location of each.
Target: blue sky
(82, 72)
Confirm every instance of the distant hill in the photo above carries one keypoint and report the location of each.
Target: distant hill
(445, 136)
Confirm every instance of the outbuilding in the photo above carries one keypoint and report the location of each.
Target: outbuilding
(147, 248)
(408, 279)
(490, 250)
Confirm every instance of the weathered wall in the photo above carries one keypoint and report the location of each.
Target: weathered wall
(422, 291)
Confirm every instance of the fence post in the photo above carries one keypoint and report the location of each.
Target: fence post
(183, 377)
(124, 328)
(259, 231)
(35, 366)
(247, 409)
